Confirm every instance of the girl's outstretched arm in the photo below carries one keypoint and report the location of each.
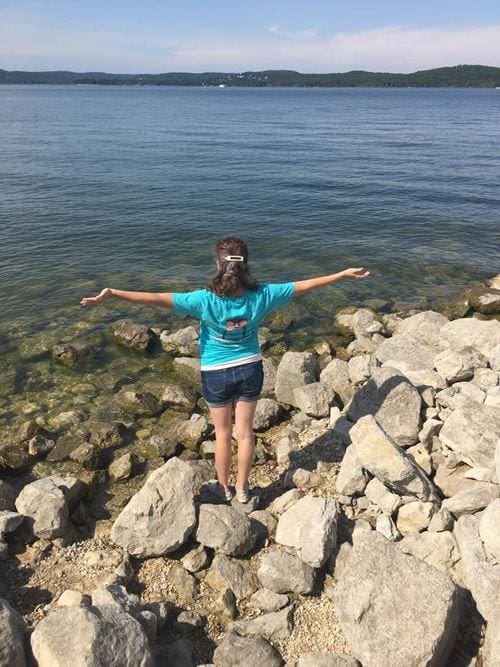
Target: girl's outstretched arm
(303, 286)
(163, 299)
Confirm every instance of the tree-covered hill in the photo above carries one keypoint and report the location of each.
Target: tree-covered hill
(478, 76)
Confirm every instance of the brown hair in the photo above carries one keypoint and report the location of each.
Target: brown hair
(231, 275)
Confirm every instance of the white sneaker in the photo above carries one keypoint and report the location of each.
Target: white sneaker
(243, 495)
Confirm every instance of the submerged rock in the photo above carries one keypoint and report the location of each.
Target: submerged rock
(132, 335)
(71, 354)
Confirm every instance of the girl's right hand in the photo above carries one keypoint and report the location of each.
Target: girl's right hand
(94, 300)
(356, 274)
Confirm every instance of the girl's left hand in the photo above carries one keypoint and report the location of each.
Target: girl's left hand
(356, 274)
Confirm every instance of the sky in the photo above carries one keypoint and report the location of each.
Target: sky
(239, 35)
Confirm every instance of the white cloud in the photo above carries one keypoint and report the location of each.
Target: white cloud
(29, 40)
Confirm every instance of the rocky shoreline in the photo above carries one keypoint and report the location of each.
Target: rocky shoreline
(371, 536)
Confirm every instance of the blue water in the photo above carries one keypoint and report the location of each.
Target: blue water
(130, 186)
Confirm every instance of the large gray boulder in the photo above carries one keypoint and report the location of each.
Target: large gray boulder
(483, 335)
(314, 399)
(92, 637)
(295, 369)
(388, 462)
(12, 633)
(424, 327)
(236, 650)
(471, 500)
(226, 529)
(283, 572)
(336, 375)
(310, 527)
(395, 403)
(394, 609)
(160, 517)
(43, 504)
(472, 432)
(406, 354)
(480, 576)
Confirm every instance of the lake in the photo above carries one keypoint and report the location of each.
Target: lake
(130, 186)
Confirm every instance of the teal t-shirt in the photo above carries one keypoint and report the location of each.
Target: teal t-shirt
(229, 324)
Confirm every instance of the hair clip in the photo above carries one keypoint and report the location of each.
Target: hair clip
(234, 258)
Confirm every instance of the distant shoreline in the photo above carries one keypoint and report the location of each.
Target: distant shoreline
(459, 76)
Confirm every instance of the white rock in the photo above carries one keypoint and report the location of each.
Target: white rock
(184, 341)
(44, 504)
(226, 529)
(424, 327)
(309, 526)
(458, 365)
(485, 378)
(382, 457)
(406, 353)
(480, 334)
(472, 431)
(360, 367)
(386, 527)
(460, 393)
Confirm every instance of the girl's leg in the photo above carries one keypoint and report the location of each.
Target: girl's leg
(244, 414)
(223, 423)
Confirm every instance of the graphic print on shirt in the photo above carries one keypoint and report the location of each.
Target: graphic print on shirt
(236, 327)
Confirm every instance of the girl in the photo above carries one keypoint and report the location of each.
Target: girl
(230, 312)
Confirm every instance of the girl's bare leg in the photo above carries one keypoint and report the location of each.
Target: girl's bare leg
(223, 423)
(244, 414)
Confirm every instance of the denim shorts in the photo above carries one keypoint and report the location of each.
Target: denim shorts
(223, 386)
